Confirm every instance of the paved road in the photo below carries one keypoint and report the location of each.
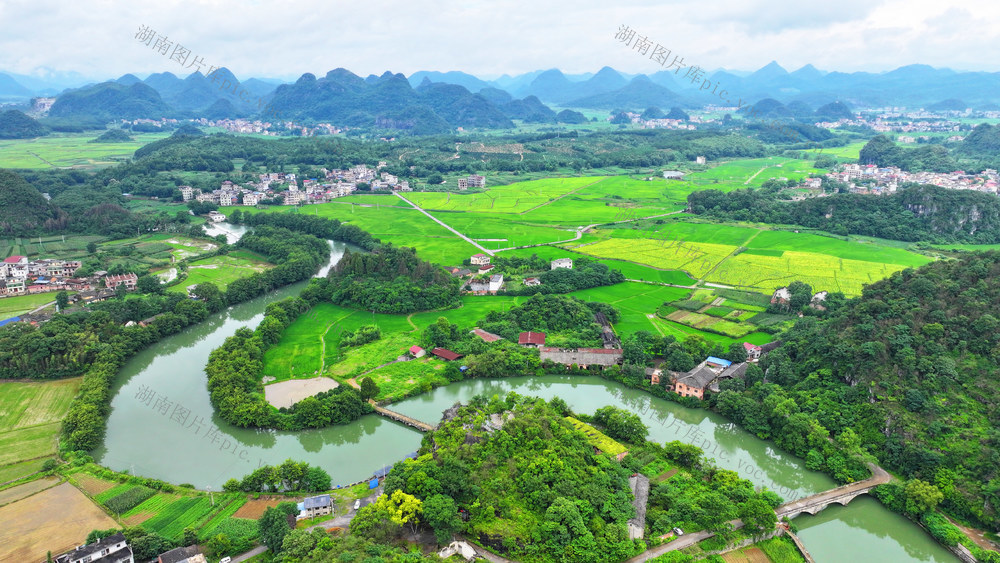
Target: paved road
(445, 225)
(252, 553)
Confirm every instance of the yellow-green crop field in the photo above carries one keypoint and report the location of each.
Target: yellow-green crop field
(770, 258)
(695, 258)
(818, 270)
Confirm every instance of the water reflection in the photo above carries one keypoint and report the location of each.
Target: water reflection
(875, 533)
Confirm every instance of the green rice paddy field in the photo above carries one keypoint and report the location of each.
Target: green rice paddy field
(31, 415)
(69, 150)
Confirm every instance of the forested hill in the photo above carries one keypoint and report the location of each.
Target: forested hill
(24, 209)
(918, 213)
(913, 367)
(390, 280)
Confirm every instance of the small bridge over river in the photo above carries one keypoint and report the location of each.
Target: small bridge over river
(811, 504)
(402, 418)
(841, 495)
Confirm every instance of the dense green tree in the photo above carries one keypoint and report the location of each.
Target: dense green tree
(441, 514)
(272, 528)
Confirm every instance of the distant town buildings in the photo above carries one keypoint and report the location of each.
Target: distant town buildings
(871, 179)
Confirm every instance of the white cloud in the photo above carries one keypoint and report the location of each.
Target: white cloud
(96, 37)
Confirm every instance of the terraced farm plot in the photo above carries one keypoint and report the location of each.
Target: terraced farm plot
(510, 229)
(402, 227)
(783, 241)
(193, 512)
(579, 210)
(403, 379)
(20, 304)
(696, 259)
(679, 230)
(69, 150)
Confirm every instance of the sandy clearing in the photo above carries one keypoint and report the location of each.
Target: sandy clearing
(287, 393)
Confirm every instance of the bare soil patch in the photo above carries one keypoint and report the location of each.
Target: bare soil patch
(254, 509)
(92, 485)
(138, 518)
(287, 393)
(57, 519)
(25, 490)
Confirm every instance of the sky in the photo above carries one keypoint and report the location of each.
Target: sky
(97, 38)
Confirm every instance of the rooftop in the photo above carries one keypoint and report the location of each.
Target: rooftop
(316, 501)
(486, 336)
(537, 338)
(445, 354)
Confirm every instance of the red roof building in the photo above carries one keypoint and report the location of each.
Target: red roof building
(15, 259)
(417, 351)
(486, 336)
(445, 354)
(535, 339)
(753, 352)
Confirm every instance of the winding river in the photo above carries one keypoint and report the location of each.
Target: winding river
(162, 425)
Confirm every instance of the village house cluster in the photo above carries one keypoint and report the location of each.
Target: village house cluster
(871, 179)
(264, 127)
(278, 185)
(637, 119)
(19, 276)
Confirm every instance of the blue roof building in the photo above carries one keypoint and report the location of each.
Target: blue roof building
(718, 361)
(10, 320)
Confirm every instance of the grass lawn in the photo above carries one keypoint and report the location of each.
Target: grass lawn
(19, 304)
(31, 415)
(222, 270)
(70, 150)
(15, 471)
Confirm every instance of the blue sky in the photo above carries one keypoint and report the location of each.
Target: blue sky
(285, 39)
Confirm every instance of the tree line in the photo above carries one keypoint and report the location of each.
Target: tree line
(914, 213)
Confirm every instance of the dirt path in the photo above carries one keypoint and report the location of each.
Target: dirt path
(728, 256)
(562, 196)
(409, 319)
(750, 179)
(445, 225)
(974, 535)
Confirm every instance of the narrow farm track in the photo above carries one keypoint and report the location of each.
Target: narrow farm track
(445, 225)
(562, 196)
(728, 256)
(750, 179)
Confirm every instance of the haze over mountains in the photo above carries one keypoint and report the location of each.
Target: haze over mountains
(432, 101)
